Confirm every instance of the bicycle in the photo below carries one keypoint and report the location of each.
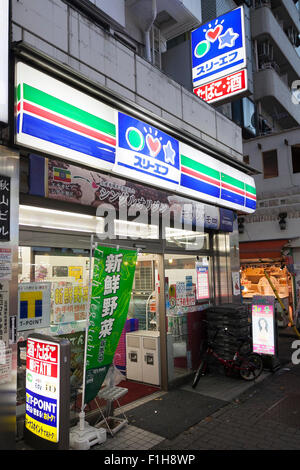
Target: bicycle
(249, 365)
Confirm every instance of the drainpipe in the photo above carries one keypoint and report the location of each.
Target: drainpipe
(147, 31)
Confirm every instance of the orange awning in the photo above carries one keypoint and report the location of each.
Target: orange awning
(262, 249)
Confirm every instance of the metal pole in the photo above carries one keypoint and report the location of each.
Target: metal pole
(87, 328)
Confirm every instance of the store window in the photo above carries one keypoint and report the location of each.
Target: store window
(187, 290)
(270, 164)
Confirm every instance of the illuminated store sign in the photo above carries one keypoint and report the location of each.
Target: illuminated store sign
(146, 152)
(56, 119)
(223, 88)
(218, 47)
(219, 57)
(42, 389)
(4, 21)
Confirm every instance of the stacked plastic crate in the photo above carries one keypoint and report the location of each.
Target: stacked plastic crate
(234, 318)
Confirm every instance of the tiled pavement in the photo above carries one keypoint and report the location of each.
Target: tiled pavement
(264, 415)
(260, 416)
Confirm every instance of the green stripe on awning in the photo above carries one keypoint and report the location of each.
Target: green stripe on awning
(250, 189)
(233, 181)
(189, 163)
(66, 109)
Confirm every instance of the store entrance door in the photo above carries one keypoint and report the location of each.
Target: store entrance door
(138, 353)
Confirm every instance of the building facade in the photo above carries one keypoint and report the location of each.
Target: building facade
(97, 122)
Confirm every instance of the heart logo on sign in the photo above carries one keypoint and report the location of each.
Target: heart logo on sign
(213, 34)
(153, 145)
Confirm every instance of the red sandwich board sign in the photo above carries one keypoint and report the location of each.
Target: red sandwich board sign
(47, 392)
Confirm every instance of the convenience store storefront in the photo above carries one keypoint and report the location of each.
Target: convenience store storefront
(91, 166)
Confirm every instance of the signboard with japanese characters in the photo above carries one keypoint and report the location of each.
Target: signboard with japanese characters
(202, 283)
(42, 389)
(69, 303)
(111, 291)
(4, 40)
(4, 312)
(219, 57)
(223, 88)
(4, 208)
(146, 153)
(34, 305)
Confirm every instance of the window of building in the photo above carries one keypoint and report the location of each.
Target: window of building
(270, 164)
(296, 158)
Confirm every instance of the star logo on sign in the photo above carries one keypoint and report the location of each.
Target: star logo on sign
(169, 153)
(228, 38)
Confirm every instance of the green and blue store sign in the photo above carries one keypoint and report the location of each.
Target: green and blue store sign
(57, 119)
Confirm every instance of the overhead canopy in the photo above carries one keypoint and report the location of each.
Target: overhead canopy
(262, 249)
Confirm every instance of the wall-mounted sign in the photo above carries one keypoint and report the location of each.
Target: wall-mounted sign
(4, 313)
(122, 146)
(34, 305)
(146, 153)
(263, 325)
(218, 47)
(4, 28)
(4, 208)
(217, 182)
(60, 120)
(223, 88)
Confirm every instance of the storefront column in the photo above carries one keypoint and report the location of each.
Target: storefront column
(162, 325)
(9, 240)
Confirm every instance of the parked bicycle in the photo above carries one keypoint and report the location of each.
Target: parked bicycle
(249, 365)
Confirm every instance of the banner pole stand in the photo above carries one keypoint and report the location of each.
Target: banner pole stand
(83, 436)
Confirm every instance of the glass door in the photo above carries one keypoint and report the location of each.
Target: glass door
(188, 294)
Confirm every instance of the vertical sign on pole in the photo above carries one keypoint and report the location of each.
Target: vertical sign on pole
(47, 392)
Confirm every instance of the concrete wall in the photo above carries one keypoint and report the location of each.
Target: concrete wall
(275, 195)
(287, 181)
(64, 34)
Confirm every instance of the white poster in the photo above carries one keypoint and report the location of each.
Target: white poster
(236, 288)
(4, 312)
(5, 263)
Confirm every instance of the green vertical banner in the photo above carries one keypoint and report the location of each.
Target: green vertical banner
(110, 296)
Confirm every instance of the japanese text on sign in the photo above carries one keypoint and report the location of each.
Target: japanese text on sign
(223, 88)
(4, 208)
(42, 388)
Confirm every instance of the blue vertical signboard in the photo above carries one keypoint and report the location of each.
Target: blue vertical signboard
(218, 47)
(146, 153)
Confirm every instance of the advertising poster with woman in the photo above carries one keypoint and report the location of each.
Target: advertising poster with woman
(263, 333)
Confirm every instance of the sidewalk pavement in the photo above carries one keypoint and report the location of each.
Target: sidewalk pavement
(264, 417)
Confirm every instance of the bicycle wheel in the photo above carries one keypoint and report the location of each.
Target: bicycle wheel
(251, 367)
(200, 371)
